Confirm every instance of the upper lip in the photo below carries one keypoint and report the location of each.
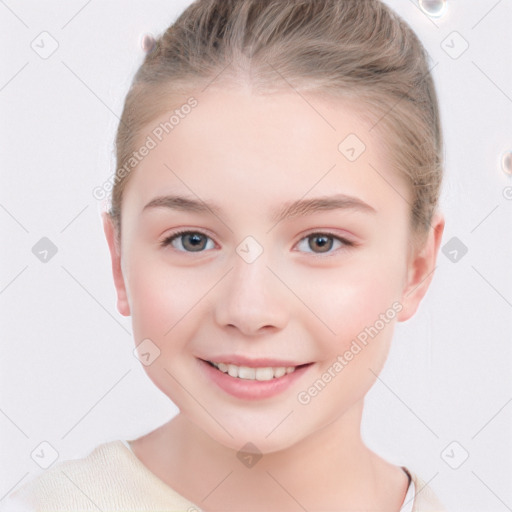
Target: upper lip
(260, 362)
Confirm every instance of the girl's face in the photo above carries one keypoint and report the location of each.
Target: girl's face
(297, 253)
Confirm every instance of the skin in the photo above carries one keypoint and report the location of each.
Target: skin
(250, 154)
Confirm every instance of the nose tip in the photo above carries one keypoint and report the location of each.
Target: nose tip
(249, 299)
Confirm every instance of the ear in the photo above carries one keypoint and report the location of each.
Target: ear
(123, 305)
(420, 271)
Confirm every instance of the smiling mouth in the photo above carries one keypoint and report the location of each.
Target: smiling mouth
(249, 373)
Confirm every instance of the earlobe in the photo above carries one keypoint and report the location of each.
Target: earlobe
(115, 255)
(421, 270)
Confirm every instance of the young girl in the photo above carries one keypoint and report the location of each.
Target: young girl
(274, 215)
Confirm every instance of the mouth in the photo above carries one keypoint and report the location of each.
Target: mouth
(265, 373)
(253, 379)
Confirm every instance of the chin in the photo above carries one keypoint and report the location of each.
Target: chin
(252, 440)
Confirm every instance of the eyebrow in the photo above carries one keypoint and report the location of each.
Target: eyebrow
(287, 210)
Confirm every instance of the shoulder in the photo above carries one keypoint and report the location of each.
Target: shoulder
(424, 499)
(71, 480)
(107, 478)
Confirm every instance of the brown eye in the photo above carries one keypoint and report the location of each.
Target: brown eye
(323, 243)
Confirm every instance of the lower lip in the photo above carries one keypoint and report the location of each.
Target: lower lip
(252, 389)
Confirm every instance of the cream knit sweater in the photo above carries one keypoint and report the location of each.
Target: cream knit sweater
(111, 478)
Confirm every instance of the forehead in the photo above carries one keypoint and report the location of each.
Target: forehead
(276, 146)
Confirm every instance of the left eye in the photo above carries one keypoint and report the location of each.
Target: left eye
(324, 241)
(196, 241)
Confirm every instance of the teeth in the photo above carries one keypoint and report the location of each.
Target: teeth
(247, 373)
(264, 373)
(279, 372)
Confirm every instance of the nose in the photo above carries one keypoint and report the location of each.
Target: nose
(252, 299)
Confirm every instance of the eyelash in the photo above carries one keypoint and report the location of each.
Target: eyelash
(346, 243)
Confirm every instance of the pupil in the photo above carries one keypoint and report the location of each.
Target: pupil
(323, 242)
(195, 240)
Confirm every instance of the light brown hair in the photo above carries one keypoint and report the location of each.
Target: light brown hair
(356, 49)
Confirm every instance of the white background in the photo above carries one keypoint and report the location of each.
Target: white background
(68, 374)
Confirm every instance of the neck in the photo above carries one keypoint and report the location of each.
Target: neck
(330, 469)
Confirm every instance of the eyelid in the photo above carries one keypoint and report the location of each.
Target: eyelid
(346, 241)
(344, 237)
(166, 241)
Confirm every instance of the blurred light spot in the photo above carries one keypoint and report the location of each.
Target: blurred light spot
(435, 8)
(506, 162)
(147, 43)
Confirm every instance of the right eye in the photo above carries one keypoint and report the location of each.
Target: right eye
(187, 241)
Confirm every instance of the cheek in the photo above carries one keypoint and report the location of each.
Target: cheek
(163, 308)
(162, 298)
(361, 308)
(352, 297)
